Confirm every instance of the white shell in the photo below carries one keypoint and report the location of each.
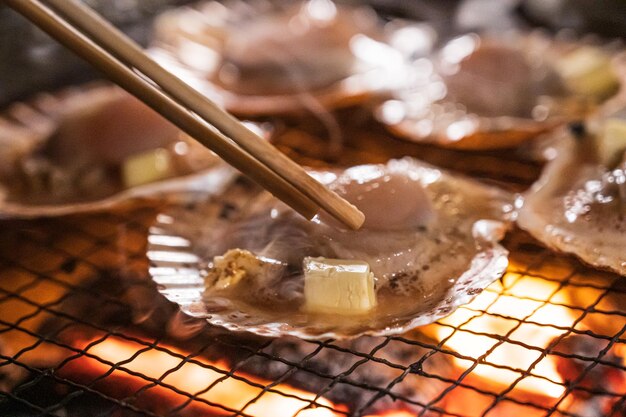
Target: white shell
(450, 261)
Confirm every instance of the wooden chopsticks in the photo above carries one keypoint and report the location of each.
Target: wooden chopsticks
(94, 39)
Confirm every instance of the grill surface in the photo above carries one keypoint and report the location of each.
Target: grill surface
(85, 278)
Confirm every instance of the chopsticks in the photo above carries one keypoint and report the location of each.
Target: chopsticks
(126, 64)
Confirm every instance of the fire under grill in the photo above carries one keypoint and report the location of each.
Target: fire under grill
(83, 331)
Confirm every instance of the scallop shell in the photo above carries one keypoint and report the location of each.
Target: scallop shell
(340, 58)
(450, 261)
(27, 128)
(514, 99)
(571, 209)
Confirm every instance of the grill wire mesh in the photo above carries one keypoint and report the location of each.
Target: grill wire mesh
(85, 278)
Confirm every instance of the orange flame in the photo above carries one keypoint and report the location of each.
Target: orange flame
(138, 365)
(518, 302)
(395, 413)
(188, 377)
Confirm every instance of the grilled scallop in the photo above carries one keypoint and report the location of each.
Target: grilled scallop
(489, 93)
(291, 56)
(430, 240)
(88, 148)
(578, 205)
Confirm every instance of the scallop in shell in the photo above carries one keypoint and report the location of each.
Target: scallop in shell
(312, 54)
(69, 152)
(489, 93)
(431, 240)
(578, 205)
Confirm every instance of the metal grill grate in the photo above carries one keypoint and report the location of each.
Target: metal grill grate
(70, 287)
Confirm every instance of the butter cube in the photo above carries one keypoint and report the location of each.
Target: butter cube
(588, 71)
(612, 143)
(147, 167)
(338, 286)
